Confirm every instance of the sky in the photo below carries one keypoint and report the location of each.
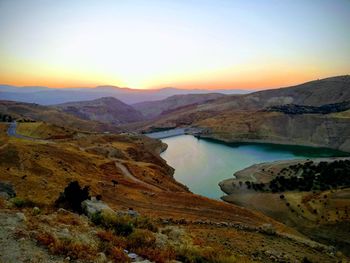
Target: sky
(185, 43)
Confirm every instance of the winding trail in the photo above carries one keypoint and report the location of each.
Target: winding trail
(12, 132)
(127, 174)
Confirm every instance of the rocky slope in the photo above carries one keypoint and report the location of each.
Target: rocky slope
(252, 118)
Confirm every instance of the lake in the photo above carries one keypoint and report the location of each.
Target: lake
(201, 164)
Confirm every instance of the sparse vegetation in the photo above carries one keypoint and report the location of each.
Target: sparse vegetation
(67, 247)
(121, 225)
(321, 176)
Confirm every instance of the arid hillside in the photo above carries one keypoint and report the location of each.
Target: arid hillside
(151, 109)
(36, 112)
(127, 174)
(312, 196)
(106, 110)
(257, 117)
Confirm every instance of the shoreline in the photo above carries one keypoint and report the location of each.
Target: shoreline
(197, 132)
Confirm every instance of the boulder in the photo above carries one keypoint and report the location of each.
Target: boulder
(21, 217)
(93, 206)
(7, 191)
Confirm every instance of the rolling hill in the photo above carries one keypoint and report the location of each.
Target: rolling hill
(252, 118)
(152, 109)
(107, 110)
(50, 96)
(36, 112)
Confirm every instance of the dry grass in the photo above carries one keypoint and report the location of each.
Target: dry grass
(67, 247)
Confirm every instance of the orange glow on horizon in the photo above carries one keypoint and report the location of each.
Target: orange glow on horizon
(258, 83)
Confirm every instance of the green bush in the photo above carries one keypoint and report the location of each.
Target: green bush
(121, 225)
(20, 202)
(145, 223)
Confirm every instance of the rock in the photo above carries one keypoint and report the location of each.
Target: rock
(133, 256)
(21, 217)
(93, 206)
(4, 195)
(7, 191)
(36, 210)
(131, 213)
(268, 229)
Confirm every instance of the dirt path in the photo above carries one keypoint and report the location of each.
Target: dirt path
(11, 132)
(127, 174)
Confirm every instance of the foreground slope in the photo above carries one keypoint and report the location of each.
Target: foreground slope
(127, 172)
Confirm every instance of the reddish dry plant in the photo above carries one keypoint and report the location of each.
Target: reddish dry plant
(118, 255)
(75, 250)
(109, 237)
(2, 203)
(68, 219)
(45, 239)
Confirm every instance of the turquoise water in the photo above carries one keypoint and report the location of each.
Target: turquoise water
(202, 164)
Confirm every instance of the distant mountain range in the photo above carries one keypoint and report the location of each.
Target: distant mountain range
(315, 113)
(50, 96)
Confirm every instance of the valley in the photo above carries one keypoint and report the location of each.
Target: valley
(99, 145)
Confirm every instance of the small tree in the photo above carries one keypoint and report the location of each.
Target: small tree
(72, 197)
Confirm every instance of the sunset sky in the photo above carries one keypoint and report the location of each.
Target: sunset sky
(185, 43)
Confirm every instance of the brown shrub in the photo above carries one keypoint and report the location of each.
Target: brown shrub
(68, 219)
(109, 237)
(67, 247)
(45, 239)
(118, 255)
